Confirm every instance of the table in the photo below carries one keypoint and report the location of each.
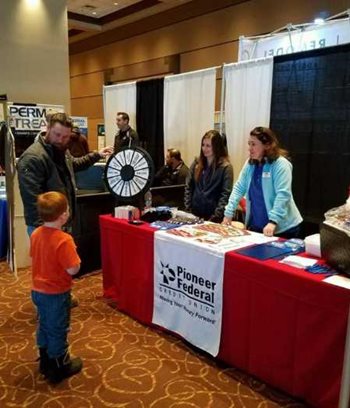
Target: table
(3, 228)
(283, 325)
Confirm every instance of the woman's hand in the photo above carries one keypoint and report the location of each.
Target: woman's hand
(226, 221)
(269, 229)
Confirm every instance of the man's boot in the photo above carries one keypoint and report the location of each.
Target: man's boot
(43, 361)
(63, 367)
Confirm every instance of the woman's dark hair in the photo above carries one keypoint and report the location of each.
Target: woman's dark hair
(269, 139)
(219, 151)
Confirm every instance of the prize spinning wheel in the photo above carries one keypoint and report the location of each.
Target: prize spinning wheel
(129, 173)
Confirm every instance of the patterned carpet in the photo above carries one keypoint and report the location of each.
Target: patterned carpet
(126, 365)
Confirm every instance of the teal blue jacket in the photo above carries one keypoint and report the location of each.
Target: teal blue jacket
(277, 191)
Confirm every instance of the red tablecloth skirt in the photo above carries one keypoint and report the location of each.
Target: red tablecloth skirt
(281, 324)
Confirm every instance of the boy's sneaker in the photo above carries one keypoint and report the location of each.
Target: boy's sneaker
(63, 367)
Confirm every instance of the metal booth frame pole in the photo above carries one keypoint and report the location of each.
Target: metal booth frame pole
(222, 99)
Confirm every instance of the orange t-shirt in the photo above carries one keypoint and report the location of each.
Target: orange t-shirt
(52, 251)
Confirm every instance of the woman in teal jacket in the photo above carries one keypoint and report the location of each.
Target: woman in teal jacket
(266, 181)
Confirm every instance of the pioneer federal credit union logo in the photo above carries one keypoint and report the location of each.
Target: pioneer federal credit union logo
(168, 274)
(189, 284)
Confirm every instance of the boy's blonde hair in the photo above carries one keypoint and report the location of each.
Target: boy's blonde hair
(51, 205)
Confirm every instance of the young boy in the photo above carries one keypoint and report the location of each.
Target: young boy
(54, 261)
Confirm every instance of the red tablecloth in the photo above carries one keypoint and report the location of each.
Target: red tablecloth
(127, 265)
(281, 324)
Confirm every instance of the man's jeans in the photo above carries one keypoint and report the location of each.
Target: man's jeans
(54, 321)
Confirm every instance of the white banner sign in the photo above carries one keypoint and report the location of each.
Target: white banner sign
(330, 33)
(26, 121)
(188, 279)
(30, 118)
(188, 282)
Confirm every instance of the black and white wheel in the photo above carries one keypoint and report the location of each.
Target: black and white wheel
(129, 172)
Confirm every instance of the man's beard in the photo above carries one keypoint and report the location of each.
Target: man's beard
(57, 146)
(60, 147)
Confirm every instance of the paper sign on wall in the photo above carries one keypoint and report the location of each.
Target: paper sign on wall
(101, 136)
(82, 123)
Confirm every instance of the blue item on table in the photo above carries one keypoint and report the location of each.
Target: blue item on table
(265, 251)
(321, 269)
(274, 249)
(164, 225)
(163, 208)
(294, 244)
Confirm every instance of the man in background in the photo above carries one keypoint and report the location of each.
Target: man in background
(126, 136)
(174, 172)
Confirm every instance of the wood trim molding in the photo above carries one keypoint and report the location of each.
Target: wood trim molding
(142, 70)
(175, 15)
(126, 11)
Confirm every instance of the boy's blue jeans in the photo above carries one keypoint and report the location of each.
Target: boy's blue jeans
(54, 321)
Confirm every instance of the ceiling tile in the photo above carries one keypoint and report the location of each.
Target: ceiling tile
(98, 8)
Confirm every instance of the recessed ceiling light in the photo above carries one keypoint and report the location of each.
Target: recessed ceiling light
(33, 3)
(319, 21)
(94, 13)
(116, 4)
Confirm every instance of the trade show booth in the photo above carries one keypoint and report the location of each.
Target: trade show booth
(276, 308)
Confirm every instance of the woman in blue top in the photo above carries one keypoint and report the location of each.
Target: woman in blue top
(266, 181)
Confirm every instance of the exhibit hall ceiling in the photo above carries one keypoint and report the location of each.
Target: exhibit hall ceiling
(89, 17)
(95, 23)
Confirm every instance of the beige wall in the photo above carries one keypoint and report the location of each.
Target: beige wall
(34, 68)
(200, 42)
(34, 63)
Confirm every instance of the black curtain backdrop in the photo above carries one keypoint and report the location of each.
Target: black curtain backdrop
(150, 118)
(310, 112)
